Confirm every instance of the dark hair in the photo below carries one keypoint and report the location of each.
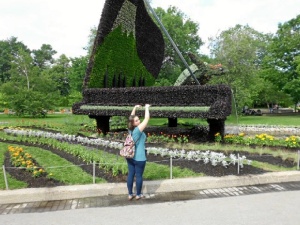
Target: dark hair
(130, 122)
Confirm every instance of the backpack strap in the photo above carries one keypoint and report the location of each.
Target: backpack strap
(131, 132)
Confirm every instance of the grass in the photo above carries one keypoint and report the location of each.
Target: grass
(155, 171)
(69, 123)
(61, 169)
(293, 121)
(65, 123)
(272, 168)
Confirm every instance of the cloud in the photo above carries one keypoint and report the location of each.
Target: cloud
(65, 25)
(218, 15)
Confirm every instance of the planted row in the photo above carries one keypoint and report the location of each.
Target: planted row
(214, 158)
(106, 161)
(22, 159)
(259, 139)
(56, 167)
(13, 183)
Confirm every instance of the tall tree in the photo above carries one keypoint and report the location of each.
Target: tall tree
(28, 92)
(240, 50)
(9, 49)
(280, 65)
(59, 73)
(43, 57)
(184, 33)
(91, 39)
(22, 66)
(77, 72)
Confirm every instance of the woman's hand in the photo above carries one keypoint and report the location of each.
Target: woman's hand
(147, 106)
(137, 106)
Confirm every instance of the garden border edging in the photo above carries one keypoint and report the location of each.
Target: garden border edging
(151, 187)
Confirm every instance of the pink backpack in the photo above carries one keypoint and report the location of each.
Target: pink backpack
(129, 147)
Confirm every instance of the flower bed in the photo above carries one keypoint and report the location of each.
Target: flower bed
(208, 162)
(260, 140)
(206, 157)
(23, 160)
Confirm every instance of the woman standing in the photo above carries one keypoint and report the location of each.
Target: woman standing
(137, 164)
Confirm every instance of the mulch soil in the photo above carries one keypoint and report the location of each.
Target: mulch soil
(195, 135)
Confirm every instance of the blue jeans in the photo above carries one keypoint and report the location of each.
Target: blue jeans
(135, 168)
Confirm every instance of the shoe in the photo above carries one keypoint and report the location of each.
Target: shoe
(138, 197)
(130, 197)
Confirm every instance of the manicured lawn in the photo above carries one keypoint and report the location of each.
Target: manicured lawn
(241, 120)
(71, 124)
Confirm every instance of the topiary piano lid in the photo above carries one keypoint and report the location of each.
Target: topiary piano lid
(129, 47)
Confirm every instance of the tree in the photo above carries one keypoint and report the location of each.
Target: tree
(28, 92)
(77, 72)
(91, 39)
(280, 65)
(240, 49)
(43, 57)
(59, 73)
(184, 32)
(9, 49)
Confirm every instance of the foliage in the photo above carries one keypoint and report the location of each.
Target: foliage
(43, 57)
(27, 92)
(12, 182)
(280, 64)
(218, 137)
(77, 73)
(33, 102)
(260, 139)
(22, 159)
(106, 161)
(292, 141)
(240, 49)
(184, 33)
(118, 122)
(59, 74)
(9, 50)
(166, 138)
(117, 58)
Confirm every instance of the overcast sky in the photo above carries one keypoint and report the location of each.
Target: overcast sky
(65, 24)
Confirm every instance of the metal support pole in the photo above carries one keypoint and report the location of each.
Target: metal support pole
(238, 172)
(171, 40)
(94, 172)
(5, 178)
(171, 168)
(298, 164)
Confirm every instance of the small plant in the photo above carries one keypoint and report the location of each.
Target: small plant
(218, 137)
(167, 138)
(264, 139)
(292, 142)
(20, 158)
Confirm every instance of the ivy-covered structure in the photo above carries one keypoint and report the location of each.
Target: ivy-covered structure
(128, 50)
(126, 58)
